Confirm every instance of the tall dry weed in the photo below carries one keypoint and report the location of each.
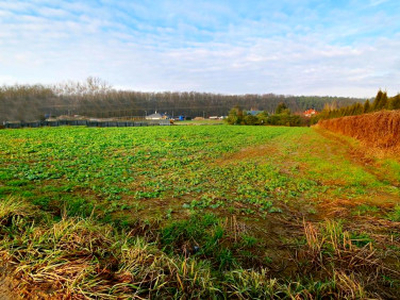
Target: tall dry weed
(379, 130)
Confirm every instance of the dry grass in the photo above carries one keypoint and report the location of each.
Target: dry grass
(358, 271)
(76, 258)
(11, 207)
(379, 130)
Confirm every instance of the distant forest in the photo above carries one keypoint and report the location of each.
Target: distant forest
(95, 98)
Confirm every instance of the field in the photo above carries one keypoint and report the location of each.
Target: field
(196, 211)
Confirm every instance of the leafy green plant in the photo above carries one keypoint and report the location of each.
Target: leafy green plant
(125, 212)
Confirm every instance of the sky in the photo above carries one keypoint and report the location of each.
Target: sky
(291, 47)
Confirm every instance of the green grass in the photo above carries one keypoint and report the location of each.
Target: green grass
(201, 211)
(395, 214)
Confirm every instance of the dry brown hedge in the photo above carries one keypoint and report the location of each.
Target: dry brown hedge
(380, 129)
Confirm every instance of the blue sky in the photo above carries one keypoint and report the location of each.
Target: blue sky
(343, 48)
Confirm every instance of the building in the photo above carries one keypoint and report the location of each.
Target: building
(157, 116)
(309, 113)
(254, 112)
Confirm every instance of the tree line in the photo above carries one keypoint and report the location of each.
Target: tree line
(380, 102)
(96, 98)
(282, 116)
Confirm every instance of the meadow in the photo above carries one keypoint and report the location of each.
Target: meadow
(197, 211)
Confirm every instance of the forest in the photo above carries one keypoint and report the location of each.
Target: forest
(380, 102)
(96, 98)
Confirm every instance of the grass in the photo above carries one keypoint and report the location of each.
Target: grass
(197, 211)
(395, 214)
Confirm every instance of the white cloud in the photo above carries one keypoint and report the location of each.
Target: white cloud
(277, 53)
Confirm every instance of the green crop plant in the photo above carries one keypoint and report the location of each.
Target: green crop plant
(197, 211)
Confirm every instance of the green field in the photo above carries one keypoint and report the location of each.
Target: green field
(197, 211)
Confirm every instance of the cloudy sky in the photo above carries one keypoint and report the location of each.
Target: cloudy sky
(298, 47)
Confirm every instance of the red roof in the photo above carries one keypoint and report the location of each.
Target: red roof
(310, 112)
